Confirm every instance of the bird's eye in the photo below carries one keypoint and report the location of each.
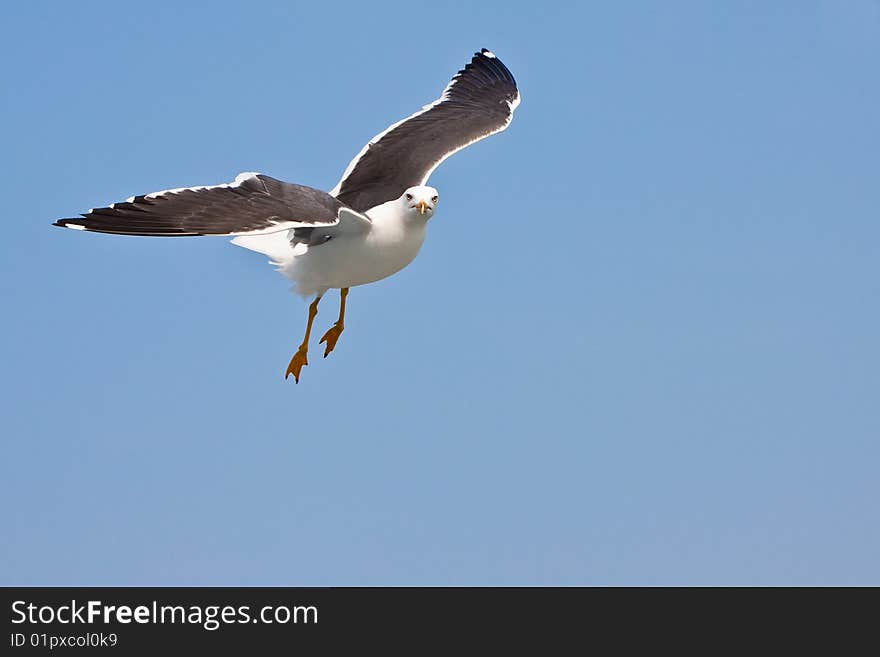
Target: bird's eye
(409, 197)
(434, 199)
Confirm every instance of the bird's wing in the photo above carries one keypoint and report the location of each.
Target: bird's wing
(253, 204)
(478, 102)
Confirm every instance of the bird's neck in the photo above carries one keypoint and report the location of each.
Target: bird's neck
(393, 224)
(395, 214)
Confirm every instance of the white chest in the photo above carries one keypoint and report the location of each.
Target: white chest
(349, 260)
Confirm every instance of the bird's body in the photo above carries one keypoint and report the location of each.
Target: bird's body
(368, 227)
(348, 258)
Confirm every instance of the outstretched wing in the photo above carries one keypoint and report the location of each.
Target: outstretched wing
(478, 102)
(253, 204)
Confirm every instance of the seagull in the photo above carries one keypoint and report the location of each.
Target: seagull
(369, 226)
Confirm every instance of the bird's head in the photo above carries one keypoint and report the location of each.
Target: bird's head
(421, 200)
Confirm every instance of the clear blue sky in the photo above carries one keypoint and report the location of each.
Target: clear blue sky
(640, 345)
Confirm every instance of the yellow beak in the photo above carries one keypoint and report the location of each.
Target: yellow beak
(423, 207)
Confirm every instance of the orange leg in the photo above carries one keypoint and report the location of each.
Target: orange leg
(333, 333)
(299, 358)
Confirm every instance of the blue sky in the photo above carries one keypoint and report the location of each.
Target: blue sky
(640, 345)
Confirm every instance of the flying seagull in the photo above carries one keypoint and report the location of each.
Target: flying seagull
(370, 226)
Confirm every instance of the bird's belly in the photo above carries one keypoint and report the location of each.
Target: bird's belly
(348, 261)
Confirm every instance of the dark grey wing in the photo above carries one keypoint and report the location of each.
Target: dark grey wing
(478, 102)
(251, 205)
